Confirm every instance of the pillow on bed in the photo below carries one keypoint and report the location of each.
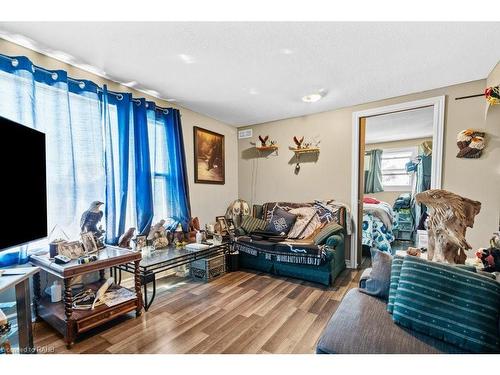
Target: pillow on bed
(304, 224)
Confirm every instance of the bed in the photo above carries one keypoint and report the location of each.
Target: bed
(379, 222)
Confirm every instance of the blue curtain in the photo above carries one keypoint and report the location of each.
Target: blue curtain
(98, 148)
(170, 180)
(373, 171)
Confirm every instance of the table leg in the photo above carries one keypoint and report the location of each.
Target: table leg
(102, 275)
(24, 322)
(68, 311)
(137, 281)
(37, 294)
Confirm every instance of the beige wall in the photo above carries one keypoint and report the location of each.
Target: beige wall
(273, 178)
(207, 201)
(391, 196)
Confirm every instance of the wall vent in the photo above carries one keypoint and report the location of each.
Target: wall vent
(247, 133)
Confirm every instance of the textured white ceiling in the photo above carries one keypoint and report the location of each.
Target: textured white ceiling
(416, 123)
(247, 73)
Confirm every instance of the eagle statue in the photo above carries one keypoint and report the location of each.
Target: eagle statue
(449, 217)
(92, 217)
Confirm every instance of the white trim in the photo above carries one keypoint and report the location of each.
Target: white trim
(437, 152)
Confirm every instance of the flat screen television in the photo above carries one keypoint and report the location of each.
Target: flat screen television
(23, 189)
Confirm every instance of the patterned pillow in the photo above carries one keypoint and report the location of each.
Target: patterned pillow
(281, 221)
(304, 218)
(251, 224)
(327, 231)
(397, 263)
(449, 303)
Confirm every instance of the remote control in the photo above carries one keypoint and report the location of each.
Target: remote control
(61, 259)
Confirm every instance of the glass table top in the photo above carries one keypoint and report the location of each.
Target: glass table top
(152, 257)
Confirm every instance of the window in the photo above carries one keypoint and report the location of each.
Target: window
(394, 175)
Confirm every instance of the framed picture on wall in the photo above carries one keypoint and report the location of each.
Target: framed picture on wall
(209, 157)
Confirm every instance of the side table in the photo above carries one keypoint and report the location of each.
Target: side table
(61, 315)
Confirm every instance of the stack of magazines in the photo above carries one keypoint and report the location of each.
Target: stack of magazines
(84, 299)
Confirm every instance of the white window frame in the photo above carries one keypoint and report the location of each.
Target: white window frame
(414, 153)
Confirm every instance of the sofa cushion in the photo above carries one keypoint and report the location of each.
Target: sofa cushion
(281, 221)
(361, 325)
(251, 224)
(378, 283)
(449, 303)
(327, 231)
(397, 263)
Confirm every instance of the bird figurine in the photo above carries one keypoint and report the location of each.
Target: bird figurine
(92, 217)
(298, 142)
(263, 140)
(124, 240)
(89, 221)
(471, 143)
(158, 229)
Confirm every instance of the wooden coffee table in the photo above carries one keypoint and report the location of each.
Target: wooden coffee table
(61, 315)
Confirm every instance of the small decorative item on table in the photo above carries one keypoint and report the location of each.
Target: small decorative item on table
(124, 240)
(71, 249)
(89, 244)
(140, 242)
(221, 225)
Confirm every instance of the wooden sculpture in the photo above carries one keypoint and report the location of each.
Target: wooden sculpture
(449, 217)
(124, 240)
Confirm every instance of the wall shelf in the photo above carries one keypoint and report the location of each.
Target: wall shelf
(267, 148)
(308, 150)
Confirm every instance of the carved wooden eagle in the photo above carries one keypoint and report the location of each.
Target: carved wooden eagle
(449, 217)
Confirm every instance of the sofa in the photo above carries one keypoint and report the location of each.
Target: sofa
(264, 260)
(362, 325)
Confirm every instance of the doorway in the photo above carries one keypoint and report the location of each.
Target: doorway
(397, 153)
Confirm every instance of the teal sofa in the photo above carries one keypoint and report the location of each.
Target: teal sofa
(324, 273)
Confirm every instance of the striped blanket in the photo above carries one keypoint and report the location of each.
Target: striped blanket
(286, 252)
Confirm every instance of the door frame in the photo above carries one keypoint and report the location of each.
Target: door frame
(438, 102)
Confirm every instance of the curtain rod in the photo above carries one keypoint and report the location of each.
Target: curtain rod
(81, 82)
(469, 96)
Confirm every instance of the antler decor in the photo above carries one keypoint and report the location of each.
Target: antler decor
(298, 142)
(263, 140)
(449, 217)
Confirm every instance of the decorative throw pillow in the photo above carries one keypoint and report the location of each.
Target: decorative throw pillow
(251, 224)
(328, 230)
(449, 303)
(378, 282)
(397, 263)
(281, 221)
(304, 217)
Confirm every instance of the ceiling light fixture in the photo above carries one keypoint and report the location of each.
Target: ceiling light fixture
(186, 58)
(312, 98)
(286, 51)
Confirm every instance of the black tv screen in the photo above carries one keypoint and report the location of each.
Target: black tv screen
(23, 197)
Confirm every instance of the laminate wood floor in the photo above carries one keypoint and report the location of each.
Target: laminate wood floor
(240, 312)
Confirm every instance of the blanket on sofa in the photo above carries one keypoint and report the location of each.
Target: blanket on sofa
(286, 252)
(328, 211)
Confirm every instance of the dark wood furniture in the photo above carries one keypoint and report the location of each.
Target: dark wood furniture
(165, 259)
(70, 322)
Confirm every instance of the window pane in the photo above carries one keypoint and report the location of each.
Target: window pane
(396, 180)
(398, 163)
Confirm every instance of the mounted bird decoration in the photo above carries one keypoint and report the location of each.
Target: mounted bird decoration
(298, 141)
(470, 143)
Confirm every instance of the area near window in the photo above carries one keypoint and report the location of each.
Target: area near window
(394, 175)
